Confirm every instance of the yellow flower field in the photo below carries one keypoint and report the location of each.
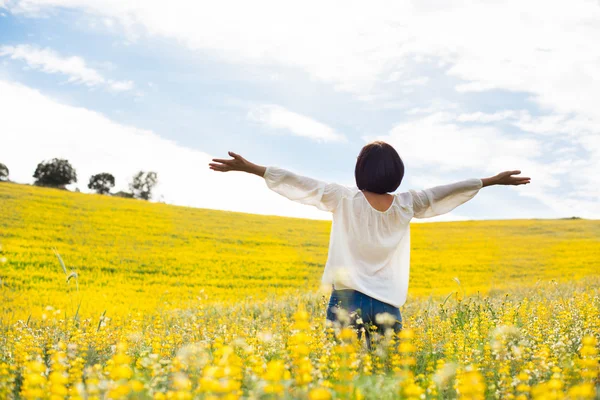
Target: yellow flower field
(166, 302)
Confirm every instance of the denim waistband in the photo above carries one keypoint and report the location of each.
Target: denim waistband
(354, 295)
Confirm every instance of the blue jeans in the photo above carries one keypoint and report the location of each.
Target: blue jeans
(363, 310)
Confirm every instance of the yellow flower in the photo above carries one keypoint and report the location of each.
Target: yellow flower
(319, 394)
(136, 385)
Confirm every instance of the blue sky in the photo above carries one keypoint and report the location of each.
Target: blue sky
(122, 86)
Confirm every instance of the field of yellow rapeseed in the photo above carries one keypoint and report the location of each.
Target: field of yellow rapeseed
(166, 302)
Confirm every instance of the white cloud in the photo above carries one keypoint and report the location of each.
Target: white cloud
(36, 127)
(347, 45)
(121, 86)
(562, 179)
(550, 49)
(277, 117)
(436, 105)
(573, 148)
(545, 50)
(49, 61)
(436, 140)
(423, 80)
(485, 117)
(547, 124)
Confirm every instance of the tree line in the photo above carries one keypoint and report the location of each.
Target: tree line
(58, 173)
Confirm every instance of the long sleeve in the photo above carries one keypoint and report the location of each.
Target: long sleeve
(304, 190)
(445, 198)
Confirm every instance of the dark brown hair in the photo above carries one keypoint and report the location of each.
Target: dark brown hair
(379, 168)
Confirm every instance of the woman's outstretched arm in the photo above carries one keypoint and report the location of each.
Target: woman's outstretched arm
(445, 198)
(325, 196)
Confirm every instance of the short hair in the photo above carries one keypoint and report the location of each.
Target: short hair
(379, 168)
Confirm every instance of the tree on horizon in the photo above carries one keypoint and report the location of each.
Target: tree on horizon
(142, 184)
(57, 172)
(102, 183)
(3, 173)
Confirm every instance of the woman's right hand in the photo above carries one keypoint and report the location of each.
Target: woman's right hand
(237, 163)
(507, 178)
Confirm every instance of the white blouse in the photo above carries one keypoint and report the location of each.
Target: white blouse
(369, 250)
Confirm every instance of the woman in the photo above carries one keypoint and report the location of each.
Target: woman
(369, 248)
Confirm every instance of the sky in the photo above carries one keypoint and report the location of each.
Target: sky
(461, 89)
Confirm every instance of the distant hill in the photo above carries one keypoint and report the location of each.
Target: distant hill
(141, 254)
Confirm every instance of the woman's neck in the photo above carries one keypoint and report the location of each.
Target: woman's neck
(379, 201)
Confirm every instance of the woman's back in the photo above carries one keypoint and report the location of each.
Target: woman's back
(371, 235)
(369, 249)
(367, 245)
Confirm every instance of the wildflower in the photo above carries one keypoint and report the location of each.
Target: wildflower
(319, 393)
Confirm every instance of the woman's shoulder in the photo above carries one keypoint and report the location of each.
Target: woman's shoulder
(344, 190)
(404, 198)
